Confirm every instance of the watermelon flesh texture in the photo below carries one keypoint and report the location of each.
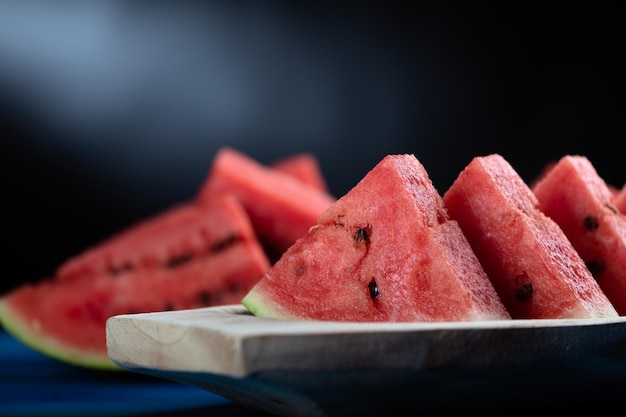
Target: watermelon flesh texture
(66, 320)
(281, 207)
(207, 248)
(385, 251)
(177, 234)
(531, 263)
(65, 316)
(582, 204)
(188, 234)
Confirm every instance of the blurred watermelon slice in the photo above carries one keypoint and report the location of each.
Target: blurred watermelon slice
(199, 253)
(281, 207)
(188, 256)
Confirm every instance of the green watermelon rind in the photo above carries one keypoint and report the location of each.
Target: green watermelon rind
(254, 305)
(15, 326)
(259, 305)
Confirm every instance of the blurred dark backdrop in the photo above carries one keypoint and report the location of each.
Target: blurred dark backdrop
(112, 111)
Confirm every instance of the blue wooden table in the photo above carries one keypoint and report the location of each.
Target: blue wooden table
(33, 385)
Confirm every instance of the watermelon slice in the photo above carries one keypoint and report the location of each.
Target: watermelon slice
(578, 199)
(533, 266)
(281, 207)
(305, 167)
(188, 233)
(385, 251)
(173, 236)
(189, 256)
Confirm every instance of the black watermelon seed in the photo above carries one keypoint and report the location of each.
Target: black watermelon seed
(363, 234)
(591, 223)
(179, 260)
(204, 298)
(373, 287)
(299, 270)
(225, 243)
(524, 292)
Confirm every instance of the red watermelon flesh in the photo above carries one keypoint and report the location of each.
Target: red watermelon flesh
(305, 167)
(281, 207)
(531, 263)
(190, 262)
(176, 235)
(578, 199)
(188, 234)
(385, 251)
(66, 320)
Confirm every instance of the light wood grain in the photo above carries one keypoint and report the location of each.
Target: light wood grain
(228, 340)
(321, 369)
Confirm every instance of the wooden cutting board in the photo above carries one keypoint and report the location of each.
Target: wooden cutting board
(311, 368)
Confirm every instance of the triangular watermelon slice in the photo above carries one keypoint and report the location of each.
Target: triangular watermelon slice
(281, 207)
(191, 255)
(172, 236)
(532, 264)
(575, 196)
(385, 251)
(199, 253)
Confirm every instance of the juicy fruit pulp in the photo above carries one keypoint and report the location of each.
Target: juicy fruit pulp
(281, 207)
(533, 266)
(385, 251)
(176, 236)
(189, 256)
(200, 253)
(581, 203)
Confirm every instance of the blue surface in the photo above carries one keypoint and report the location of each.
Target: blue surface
(34, 385)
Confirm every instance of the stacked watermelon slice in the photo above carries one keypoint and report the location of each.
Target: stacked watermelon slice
(396, 250)
(391, 249)
(208, 251)
(585, 207)
(530, 260)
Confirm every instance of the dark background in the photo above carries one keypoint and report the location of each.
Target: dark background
(112, 111)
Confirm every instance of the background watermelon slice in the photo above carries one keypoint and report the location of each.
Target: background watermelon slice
(189, 256)
(174, 236)
(198, 253)
(281, 207)
(582, 204)
(532, 264)
(385, 251)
